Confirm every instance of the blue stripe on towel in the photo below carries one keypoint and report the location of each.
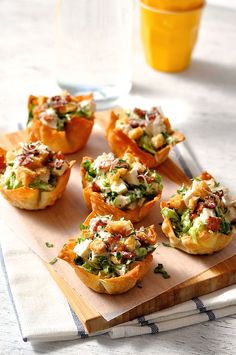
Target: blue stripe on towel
(142, 321)
(183, 163)
(199, 304)
(154, 328)
(9, 292)
(211, 315)
(192, 155)
(79, 325)
(20, 126)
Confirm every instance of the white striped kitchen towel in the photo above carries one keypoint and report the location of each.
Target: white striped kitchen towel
(44, 314)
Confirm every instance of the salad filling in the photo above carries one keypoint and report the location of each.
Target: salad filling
(206, 205)
(108, 248)
(55, 112)
(124, 183)
(33, 165)
(149, 129)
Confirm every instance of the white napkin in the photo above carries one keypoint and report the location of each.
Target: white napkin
(44, 314)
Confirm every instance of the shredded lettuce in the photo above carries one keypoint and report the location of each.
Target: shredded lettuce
(41, 185)
(88, 165)
(146, 143)
(141, 252)
(85, 112)
(11, 183)
(169, 139)
(170, 214)
(30, 115)
(181, 224)
(195, 230)
(185, 221)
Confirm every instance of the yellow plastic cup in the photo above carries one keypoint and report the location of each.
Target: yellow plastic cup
(169, 37)
(174, 5)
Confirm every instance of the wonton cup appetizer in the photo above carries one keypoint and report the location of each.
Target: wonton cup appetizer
(199, 218)
(110, 256)
(62, 122)
(33, 177)
(122, 187)
(147, 134)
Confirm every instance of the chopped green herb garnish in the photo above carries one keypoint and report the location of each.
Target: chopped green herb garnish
(166, 244)
(182, 190)
(53, 261)
(30, 115)
(82, 226)
(169, 139)
(88, 165)
(78, 260)
(159, 269)
(49, 245)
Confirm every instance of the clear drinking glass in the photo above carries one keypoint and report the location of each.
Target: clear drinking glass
(93, 47)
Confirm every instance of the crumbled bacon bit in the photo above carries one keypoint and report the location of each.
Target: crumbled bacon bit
(139, 112)
(219, 193)
(95, 187)
(213, 224)
(114, 239)
(133, 123)
(209, 202)
(147, 179)
(30, 148)
(2, 163)
(193, 215)
(99, 224)
(128, 254)
(205, 176)
(151, 116)
(59, 101)
(24, 159)
(120, 164)
(59, 156)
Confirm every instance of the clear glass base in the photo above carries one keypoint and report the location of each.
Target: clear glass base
(104, 96)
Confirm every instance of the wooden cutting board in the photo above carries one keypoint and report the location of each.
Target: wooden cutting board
(222, 275)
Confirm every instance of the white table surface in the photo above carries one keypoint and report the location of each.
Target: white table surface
(201, 101)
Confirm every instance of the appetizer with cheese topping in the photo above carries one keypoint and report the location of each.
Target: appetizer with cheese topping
(122, 186)
(63, 122)
(109, 255)
(147, 134)
(199, 219)
(33, 177)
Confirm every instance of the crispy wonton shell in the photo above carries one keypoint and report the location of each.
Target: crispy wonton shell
(120, 143)
(208, 243)
(74, 138)
(95, 201)
(34, 199)
(115, 285)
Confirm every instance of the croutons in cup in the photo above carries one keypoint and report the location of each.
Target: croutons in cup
(63, 122)
(123, 187)
(147, 134)
(33, 177)
(199, 219)
(109, 255)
